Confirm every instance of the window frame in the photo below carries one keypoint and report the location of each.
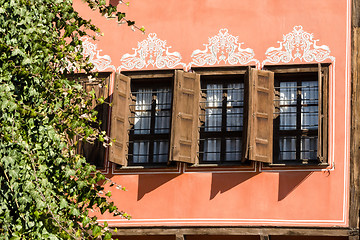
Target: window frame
(226, 72)
(321, 72)
(222, 134)
(151, 137)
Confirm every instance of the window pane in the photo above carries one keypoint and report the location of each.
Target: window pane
(309, 92)
(214, 95)
(212, 148)
(233, 149)
(162, 122)
(141, 152)
(234, 120)
(213, 120)
(235, 103)
(288, 93)
(213, 111)
(287, 118)
(235, 95)
(287, 148)
(288, 105)
(309, 98)
(142, 111)
(309, 148)
(161, 150)
(163, 111)
(309, 117)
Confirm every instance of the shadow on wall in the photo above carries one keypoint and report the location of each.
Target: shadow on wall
(148, 183)
(289, 181)
(222, 182)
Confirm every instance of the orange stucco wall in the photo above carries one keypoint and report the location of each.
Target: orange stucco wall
(257, 196)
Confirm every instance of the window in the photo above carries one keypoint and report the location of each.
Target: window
(300, 120)
(221, 130)
(151, 118)
(221, 116)
(154, 120)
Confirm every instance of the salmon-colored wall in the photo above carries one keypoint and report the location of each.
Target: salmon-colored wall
(259, 195)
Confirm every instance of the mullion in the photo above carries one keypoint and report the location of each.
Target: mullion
(152, 126)
(298, 119)
(223, 123)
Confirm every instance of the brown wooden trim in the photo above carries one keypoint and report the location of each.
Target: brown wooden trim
(148, 74)
(264, 237)
(179, 237)
(295, 68)
(225, 70)
(355, 113)
(256, 230)
(220, 72)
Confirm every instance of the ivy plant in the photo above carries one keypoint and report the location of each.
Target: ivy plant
(48, 191)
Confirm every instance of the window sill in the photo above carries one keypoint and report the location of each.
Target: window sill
(217, 167)
(146, 169)
(295, 165)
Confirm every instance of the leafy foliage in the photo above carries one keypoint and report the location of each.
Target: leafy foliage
(47, 190)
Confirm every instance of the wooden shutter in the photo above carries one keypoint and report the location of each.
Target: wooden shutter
(258, 123)
(322, 114)
(120, 120)
(95, 153)
(184, 123)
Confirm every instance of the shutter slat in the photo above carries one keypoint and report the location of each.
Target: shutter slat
(119, 119)
(258, 124)
(184, 126)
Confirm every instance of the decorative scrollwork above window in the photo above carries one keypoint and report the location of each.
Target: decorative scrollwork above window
(300, 45)
(225, 48)
(100, 62)
(151, 51)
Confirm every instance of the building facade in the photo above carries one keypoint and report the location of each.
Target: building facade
(232, 120)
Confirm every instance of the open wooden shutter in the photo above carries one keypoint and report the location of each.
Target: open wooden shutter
(322, 114)
(184, 125)
(258, 124)
(119, 120)
(95, 152)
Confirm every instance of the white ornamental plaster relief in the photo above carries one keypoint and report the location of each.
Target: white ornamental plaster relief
(100, 62)
(225, 48)
(151, 51)
(300, 45)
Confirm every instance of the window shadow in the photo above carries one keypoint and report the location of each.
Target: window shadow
(148, 183)
(222, 182)
(289, 181)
